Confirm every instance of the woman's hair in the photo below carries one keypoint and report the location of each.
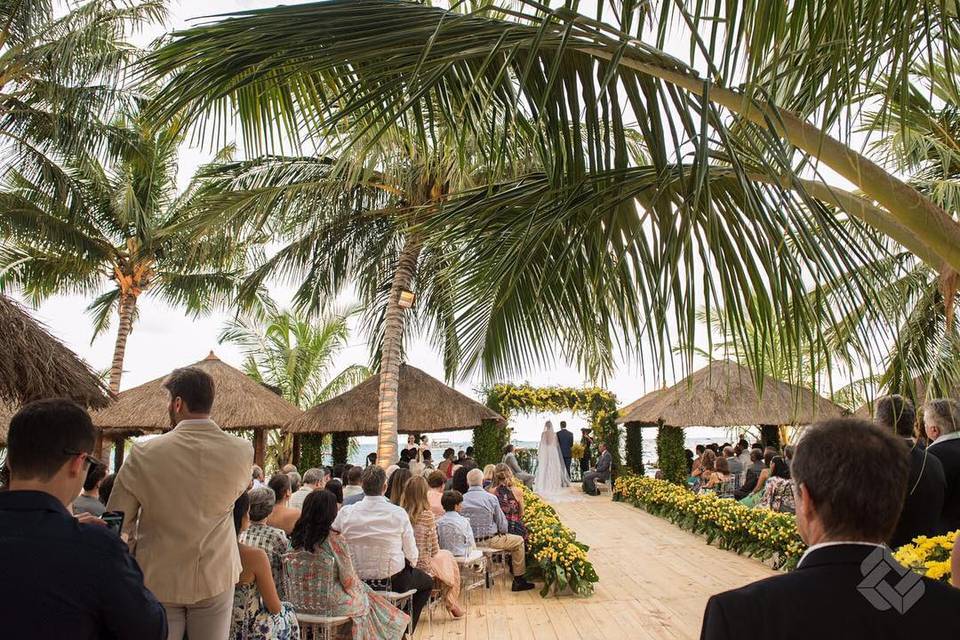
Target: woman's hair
(404, 455)
(372, 458)
(502, 474)
(240, 508)
(722, 466)
(459, 480)
(436, 479)
(700, 449)
(280, 483)
(709, 459)
(448, 453)
(336, 488)
(398, 480)
(488, 471)
(779, 468)
(313, 526)
(106, 488)
(426, 455)
(414, 498)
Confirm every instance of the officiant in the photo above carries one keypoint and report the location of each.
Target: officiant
(587, 443)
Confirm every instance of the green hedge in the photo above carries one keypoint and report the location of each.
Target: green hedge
(634, 447)
(311, 450)
(489, 439)
(340, 447)
(670, 454)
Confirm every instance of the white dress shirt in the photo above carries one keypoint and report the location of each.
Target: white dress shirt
(953, 435)
(379, 535)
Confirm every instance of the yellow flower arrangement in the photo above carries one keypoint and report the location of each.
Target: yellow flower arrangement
(555, 550)
(928, 556)
(759, 533)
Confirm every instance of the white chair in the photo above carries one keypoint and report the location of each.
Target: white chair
(322, 627)
(497, 563)
(404, 602)
(602, 487)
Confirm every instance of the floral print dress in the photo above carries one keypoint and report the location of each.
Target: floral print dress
(325, 583)
(511, 508)
(252, 621)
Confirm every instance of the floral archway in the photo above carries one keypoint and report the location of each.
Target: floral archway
(506, 399)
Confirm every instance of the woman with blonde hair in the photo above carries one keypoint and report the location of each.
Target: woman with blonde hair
(510, 497)
(488, 475)
(436, 562)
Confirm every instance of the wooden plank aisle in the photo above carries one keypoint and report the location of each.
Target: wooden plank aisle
(655, 580)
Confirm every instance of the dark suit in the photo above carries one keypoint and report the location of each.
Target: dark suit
(587, 442)
(948, 452)
(750, 483)
(602, 474)
(565, 440)
(924, 503)
(820, 600)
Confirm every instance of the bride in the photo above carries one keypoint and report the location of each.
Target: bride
(551, 474)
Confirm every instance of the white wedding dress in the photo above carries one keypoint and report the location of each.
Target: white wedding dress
(551, 476)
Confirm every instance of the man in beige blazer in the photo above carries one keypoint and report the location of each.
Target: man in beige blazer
(177, 493)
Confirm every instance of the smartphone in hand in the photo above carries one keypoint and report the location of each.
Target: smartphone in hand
(114, 520)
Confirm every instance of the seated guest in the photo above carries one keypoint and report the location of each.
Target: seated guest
(338, 471)
(847, 506)
(941, 419)
(433, 560)
(689, 459)
(258, 612)
(511, 499)
(427, 458)
(447, 464)
(89, 499)
(395, 485)
(510, 459)
(295, 482)
(106, 488)
(312, 480)
(755, 496)
(459, 480)
(336, 489)
(788, 452)
(283, 516)
(600, 474)
(721, 474)
(63, 578)
(490, 528)
(734, 465)
(416, 466)
(257, 478)
(435, 482)
(320, 578)
(743, 455)
(698, 460)
(924, 501)
(453, 530)
(352, 487)
(260, 535)
(371, 458)
(752, 475)
(708, 462)
(381, 542)
(778, 493)
(289, 468)
(488, 475)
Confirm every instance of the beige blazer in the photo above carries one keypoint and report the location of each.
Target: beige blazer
(177, 493)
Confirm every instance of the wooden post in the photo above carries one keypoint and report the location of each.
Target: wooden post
(295, 453)
(98, 446)
(259, 447)
(118, 453)
(770, 435)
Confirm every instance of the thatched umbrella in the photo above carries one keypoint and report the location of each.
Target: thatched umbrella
(723, 394)
(35, 365)
(424, 405)
(917, 394)
(241, 404)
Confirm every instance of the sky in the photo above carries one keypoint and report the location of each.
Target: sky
(165, 338)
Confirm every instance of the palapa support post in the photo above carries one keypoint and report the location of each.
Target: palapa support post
(118, 453)
(770, 435)
(295, 451)
(259, 447)
(98, 447)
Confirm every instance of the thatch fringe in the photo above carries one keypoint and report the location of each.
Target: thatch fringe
(425, 405)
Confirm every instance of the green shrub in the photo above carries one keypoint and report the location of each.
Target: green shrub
(340, 447)
(634, 447)
(311, 450)
(670, 454)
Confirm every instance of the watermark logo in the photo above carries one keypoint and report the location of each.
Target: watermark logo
(899, 596)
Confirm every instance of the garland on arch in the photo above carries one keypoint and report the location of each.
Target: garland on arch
(599, 404)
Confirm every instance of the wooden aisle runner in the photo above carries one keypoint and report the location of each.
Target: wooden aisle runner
(654, 583)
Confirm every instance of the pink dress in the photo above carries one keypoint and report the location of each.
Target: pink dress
(436, 562)
(434, 497)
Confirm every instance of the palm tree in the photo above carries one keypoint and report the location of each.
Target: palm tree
(119, 223)
(589, 238)
(295, 356)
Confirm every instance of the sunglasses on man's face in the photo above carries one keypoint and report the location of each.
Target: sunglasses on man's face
(88, 459)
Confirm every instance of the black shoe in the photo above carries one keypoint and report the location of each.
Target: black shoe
(521, 584)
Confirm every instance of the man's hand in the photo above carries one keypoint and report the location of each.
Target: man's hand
(89, 518)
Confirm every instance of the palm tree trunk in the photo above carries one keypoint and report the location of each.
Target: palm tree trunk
(391, 351)
(128, 306)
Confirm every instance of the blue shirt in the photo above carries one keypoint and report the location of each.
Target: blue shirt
(63, 579)
(483, 511)
(454, 534)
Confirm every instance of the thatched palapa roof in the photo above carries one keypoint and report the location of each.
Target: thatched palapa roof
(424, 405)
(35, 365)
(6, 413)
(918, 394)
(241, 403)
(723, 394)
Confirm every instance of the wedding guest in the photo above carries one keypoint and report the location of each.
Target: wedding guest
(754, 497)
(587, 442)
(64, 577)
(321, 579)
(353, 487)
(371, 458)
(404, 458)
(312, 480)
(461, 456)
(511, 500)
(416, 467)
(752, 475)
(488, 475)
(733, 464)
(601, 473)
(847, 506)
(336, 489)
(510, 459)
(435, 482)
(490, 527)
(295, 482)
(788, 452)
(381, 541)
(427, 457)
(283, 516)
(697, 461)
(398, 480)
(689, 458)
(106, 488)
(257, 477)
(446, 465)
(459, 480)
(941, 419)
(89, 499)
(927, 484)
(707, 466)
(412, 448)
(289, 468)
(743, 455)
(258, 611)
(338, 471)
(721, 474)
(469, 455)
(260, 535)
(433, 560)
(189, 555)
(453, 530)
(778, 492)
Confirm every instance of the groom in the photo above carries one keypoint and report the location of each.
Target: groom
(565, 440)
(602, 473)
